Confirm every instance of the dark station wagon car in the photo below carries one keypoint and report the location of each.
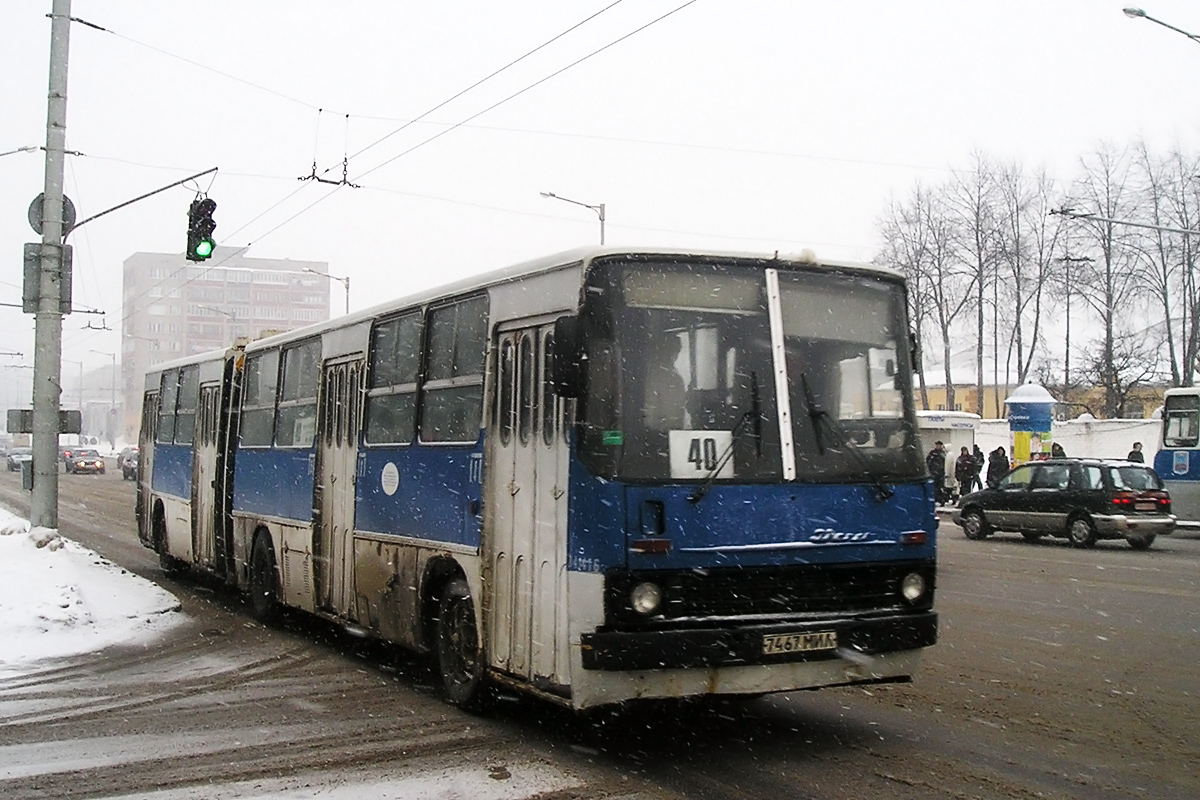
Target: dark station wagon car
(1081, 499)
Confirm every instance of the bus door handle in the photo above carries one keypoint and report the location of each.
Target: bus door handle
(653, 518)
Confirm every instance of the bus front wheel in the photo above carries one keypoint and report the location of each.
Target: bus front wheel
(460, 663)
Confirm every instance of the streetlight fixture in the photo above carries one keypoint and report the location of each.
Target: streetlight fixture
(344, 281)
(112, 399)
(1137, 13)
(599, 209)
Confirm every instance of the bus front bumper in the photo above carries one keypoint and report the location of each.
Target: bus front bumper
(775, 643)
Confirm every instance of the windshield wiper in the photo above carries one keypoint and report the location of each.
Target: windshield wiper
(817, 415)
(752, 415)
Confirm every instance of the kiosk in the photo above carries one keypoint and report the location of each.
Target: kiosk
(1030, 421)
(954, 429)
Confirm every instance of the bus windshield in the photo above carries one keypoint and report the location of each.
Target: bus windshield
(712, 372)
(1181, 421)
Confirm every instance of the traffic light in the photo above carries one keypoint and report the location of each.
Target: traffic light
(200, 243)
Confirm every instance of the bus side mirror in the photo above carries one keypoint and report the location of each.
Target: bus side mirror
(568, 358)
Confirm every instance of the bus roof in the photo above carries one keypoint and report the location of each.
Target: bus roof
(550, 263)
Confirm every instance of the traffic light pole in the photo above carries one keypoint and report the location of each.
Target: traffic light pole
(83, 222)
(47, 353)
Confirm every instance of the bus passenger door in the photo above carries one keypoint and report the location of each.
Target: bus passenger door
(526, 612)
(204, 480)
(333, 492)
(145, 497)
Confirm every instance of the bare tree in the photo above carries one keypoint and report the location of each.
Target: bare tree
(905, 249)
(1169, 200)
(919, 239)
(1111, 284)
(972, 197)
(1028, 238)
(1131, 362)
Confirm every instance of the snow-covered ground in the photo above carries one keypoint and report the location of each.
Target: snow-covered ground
(58, 599)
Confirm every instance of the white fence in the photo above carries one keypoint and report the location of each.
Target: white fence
(1085, 438)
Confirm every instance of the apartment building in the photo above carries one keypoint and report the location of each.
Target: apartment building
(172, 307)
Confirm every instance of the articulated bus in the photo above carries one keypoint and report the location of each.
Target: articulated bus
(1177, 461)
(606, 475)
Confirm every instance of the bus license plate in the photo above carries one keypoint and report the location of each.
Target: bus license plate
(778, 643)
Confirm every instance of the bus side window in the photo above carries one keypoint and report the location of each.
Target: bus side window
(167, 397)
(189, 398)
(296, 417)
(258, 399)
(452, 393)
(391, 403)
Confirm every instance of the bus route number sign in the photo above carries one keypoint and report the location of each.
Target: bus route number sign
(697, 454)
(776, 644)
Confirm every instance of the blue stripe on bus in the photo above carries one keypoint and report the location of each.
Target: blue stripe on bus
(746, 525)
(276, 483)
(438, 496)
(173, 470)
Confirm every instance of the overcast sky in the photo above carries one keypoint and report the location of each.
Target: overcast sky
(733, 124)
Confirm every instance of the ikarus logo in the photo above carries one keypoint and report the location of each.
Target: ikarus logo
(830, 536)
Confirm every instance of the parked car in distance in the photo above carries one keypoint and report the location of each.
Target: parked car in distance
(128, 461)
(83, 460)
(18, 455)
(1080, 499)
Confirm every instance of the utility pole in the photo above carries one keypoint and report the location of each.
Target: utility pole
(47, 353)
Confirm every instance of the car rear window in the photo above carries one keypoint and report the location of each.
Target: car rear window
(1136, 478)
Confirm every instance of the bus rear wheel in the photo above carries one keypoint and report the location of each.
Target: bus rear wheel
(264, 582)
(460, 663)
(171, 566)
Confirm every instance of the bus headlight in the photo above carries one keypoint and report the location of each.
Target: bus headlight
(913, 587)
(645, 598)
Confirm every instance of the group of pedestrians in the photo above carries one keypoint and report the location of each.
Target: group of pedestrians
(967, 469)
(970, 462)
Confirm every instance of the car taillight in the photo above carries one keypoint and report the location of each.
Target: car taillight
(1124, 499)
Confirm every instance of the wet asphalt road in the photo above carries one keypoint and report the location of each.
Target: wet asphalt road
(1060, 674)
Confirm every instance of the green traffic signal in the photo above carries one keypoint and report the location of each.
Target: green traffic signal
(201, 225)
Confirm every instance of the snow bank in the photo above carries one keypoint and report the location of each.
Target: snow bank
(57, 599)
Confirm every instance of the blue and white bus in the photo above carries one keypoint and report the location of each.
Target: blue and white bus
(1177, 461)
(186, 450)
(605, 475)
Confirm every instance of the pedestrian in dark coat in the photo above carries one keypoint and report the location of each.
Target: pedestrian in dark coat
(1136, 454)
(964, 471)
(1056, 451)
(980, 460)
(935, 462)
(997, 467)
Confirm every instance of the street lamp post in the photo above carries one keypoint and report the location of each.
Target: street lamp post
(344, 281)
(112, 399)
(80, 365)
(599, 209)
(1137, 13)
